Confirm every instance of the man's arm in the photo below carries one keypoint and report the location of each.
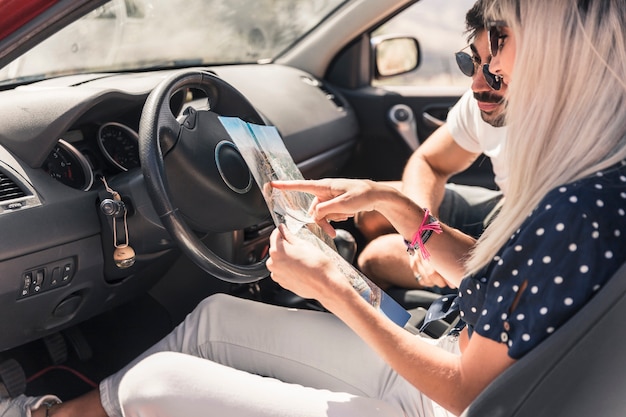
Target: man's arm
(431, 165)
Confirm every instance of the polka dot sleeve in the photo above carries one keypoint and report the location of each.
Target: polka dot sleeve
(564, 252)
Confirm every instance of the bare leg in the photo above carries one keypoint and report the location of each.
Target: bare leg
(386, 263)
(372, 224)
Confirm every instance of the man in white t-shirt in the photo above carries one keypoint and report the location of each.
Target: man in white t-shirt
(473, 127)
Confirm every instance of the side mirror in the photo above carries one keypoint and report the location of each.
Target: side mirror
(395, 55)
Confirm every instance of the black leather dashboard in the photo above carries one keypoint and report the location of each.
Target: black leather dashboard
(54, 227)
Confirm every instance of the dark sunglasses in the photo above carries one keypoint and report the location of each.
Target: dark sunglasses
(468, 67)
(495, 35)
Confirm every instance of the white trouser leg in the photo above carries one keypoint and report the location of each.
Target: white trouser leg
(309, 348)
(169, 384)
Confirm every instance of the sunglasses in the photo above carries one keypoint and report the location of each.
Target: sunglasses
(495, 36)
(467, 65)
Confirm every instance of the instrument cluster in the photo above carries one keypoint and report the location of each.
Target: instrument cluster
(77, 158)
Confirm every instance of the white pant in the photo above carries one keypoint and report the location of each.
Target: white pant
(262, 361)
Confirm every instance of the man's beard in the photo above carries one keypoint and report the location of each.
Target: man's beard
(496, 119)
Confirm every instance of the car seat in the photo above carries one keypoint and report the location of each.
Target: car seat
(580, 370)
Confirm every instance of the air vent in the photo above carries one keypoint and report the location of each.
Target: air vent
(327, 92)
(9, 190)
(331, 96)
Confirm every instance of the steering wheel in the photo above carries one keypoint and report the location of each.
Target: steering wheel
(196, 178)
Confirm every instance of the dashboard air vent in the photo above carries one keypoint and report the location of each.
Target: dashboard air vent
(324, 89)
(331, 96)
(9, 190)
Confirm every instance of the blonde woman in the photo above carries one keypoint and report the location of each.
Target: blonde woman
(555, 243)
(559, 235)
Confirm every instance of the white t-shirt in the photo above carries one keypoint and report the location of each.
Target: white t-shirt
(475, 135)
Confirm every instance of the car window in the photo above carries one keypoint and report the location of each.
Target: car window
(141, 34)
(439, 27)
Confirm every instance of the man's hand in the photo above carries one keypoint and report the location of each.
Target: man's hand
(425, 274)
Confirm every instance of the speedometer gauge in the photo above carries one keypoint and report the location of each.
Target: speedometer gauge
(67, 165)
(120, 145)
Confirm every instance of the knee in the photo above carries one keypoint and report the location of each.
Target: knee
(372, 224)
(148, 381)
(212, 305)
(373, 256)
(366, 259)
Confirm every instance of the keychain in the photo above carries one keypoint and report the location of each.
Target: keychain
(123, 255)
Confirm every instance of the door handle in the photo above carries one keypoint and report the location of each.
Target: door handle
(432, 120)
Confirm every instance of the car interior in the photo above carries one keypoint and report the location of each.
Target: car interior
(110, 243)
(121, 207)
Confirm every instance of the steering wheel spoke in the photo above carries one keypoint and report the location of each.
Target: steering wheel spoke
(183, 170)
(169, 129)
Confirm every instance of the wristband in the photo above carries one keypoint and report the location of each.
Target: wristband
(429, 225)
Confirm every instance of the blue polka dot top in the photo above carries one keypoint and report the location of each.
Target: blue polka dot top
(563, 253)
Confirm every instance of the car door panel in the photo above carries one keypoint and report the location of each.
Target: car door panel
(383, 151)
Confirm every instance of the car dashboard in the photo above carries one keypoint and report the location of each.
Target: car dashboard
(67, 142)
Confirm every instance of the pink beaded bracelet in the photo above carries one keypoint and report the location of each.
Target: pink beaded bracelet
(429, 225)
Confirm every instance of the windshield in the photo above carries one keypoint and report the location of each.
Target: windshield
(137, 34)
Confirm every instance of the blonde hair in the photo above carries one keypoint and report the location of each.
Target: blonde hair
(566, 105)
